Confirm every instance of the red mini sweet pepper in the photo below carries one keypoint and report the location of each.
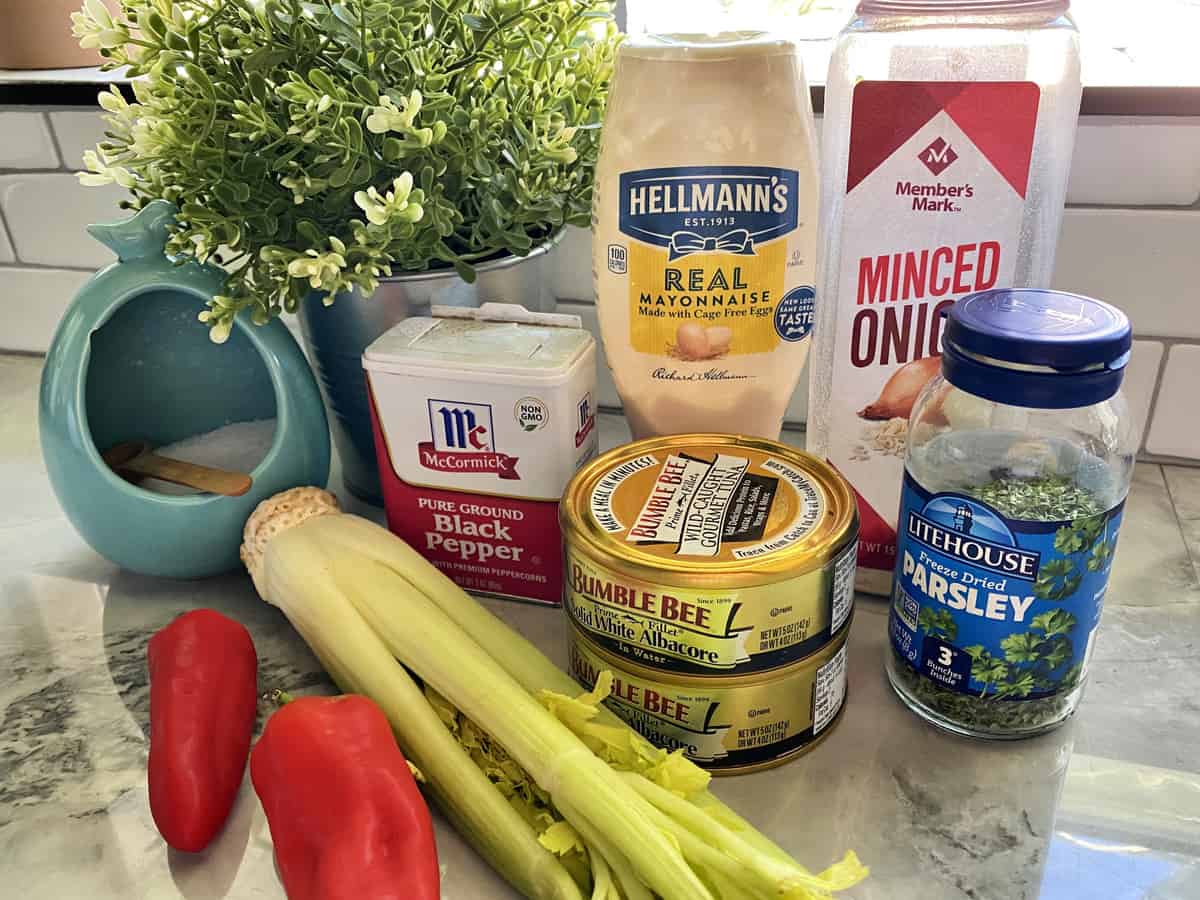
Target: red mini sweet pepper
(346, 817)
(203, 695)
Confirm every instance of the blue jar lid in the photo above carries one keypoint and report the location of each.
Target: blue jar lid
(1036, 348)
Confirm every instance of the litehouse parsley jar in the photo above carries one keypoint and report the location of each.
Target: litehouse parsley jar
(1019, 459)
(709, 554)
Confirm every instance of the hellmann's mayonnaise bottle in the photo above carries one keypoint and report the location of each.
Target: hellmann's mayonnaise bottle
(705, 231)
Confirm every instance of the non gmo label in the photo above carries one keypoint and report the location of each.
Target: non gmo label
(996, 607)
(531, 413)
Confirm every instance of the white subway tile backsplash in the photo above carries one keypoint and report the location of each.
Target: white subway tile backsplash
(1136, 162)
(1175, 430)
(1146, 261)
(47, 215)
(31, 303)
(77, 130)
(26, 143)
(1138, 386)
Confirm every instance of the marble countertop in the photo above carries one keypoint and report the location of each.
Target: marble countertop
(1106, 808)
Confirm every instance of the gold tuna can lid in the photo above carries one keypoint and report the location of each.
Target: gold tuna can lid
(699, 509)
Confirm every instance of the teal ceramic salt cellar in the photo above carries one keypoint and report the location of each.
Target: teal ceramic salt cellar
(130, 362)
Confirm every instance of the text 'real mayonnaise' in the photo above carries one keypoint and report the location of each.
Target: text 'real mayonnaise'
(704, 231)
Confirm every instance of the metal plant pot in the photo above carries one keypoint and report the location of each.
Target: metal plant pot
(337, 335)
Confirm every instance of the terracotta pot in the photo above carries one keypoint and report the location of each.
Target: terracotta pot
(36, 34)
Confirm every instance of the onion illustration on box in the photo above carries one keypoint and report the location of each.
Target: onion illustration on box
(933, 205)
(481, 417)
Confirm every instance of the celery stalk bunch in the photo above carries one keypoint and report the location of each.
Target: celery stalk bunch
(561, 797)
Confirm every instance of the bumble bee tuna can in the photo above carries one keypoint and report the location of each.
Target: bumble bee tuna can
(710, 555)
(725, 725)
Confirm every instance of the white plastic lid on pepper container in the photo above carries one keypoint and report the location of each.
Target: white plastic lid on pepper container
(502, 339)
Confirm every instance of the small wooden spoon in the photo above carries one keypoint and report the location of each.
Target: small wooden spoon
(137, 458)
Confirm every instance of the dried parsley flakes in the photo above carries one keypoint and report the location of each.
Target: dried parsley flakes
(1047, 499)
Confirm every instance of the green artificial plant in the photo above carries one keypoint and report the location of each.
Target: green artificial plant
(324, 145)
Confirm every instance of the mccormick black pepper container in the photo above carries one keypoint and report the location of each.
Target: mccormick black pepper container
(1019, 459)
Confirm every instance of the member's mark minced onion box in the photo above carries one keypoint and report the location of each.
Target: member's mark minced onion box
(481, 418)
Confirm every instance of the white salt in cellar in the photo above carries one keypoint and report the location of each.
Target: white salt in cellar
(948, 134)
(481, 417)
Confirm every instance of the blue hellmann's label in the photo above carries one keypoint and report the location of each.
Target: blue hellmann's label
(707, 209)
(997, 607)
(712, 263)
